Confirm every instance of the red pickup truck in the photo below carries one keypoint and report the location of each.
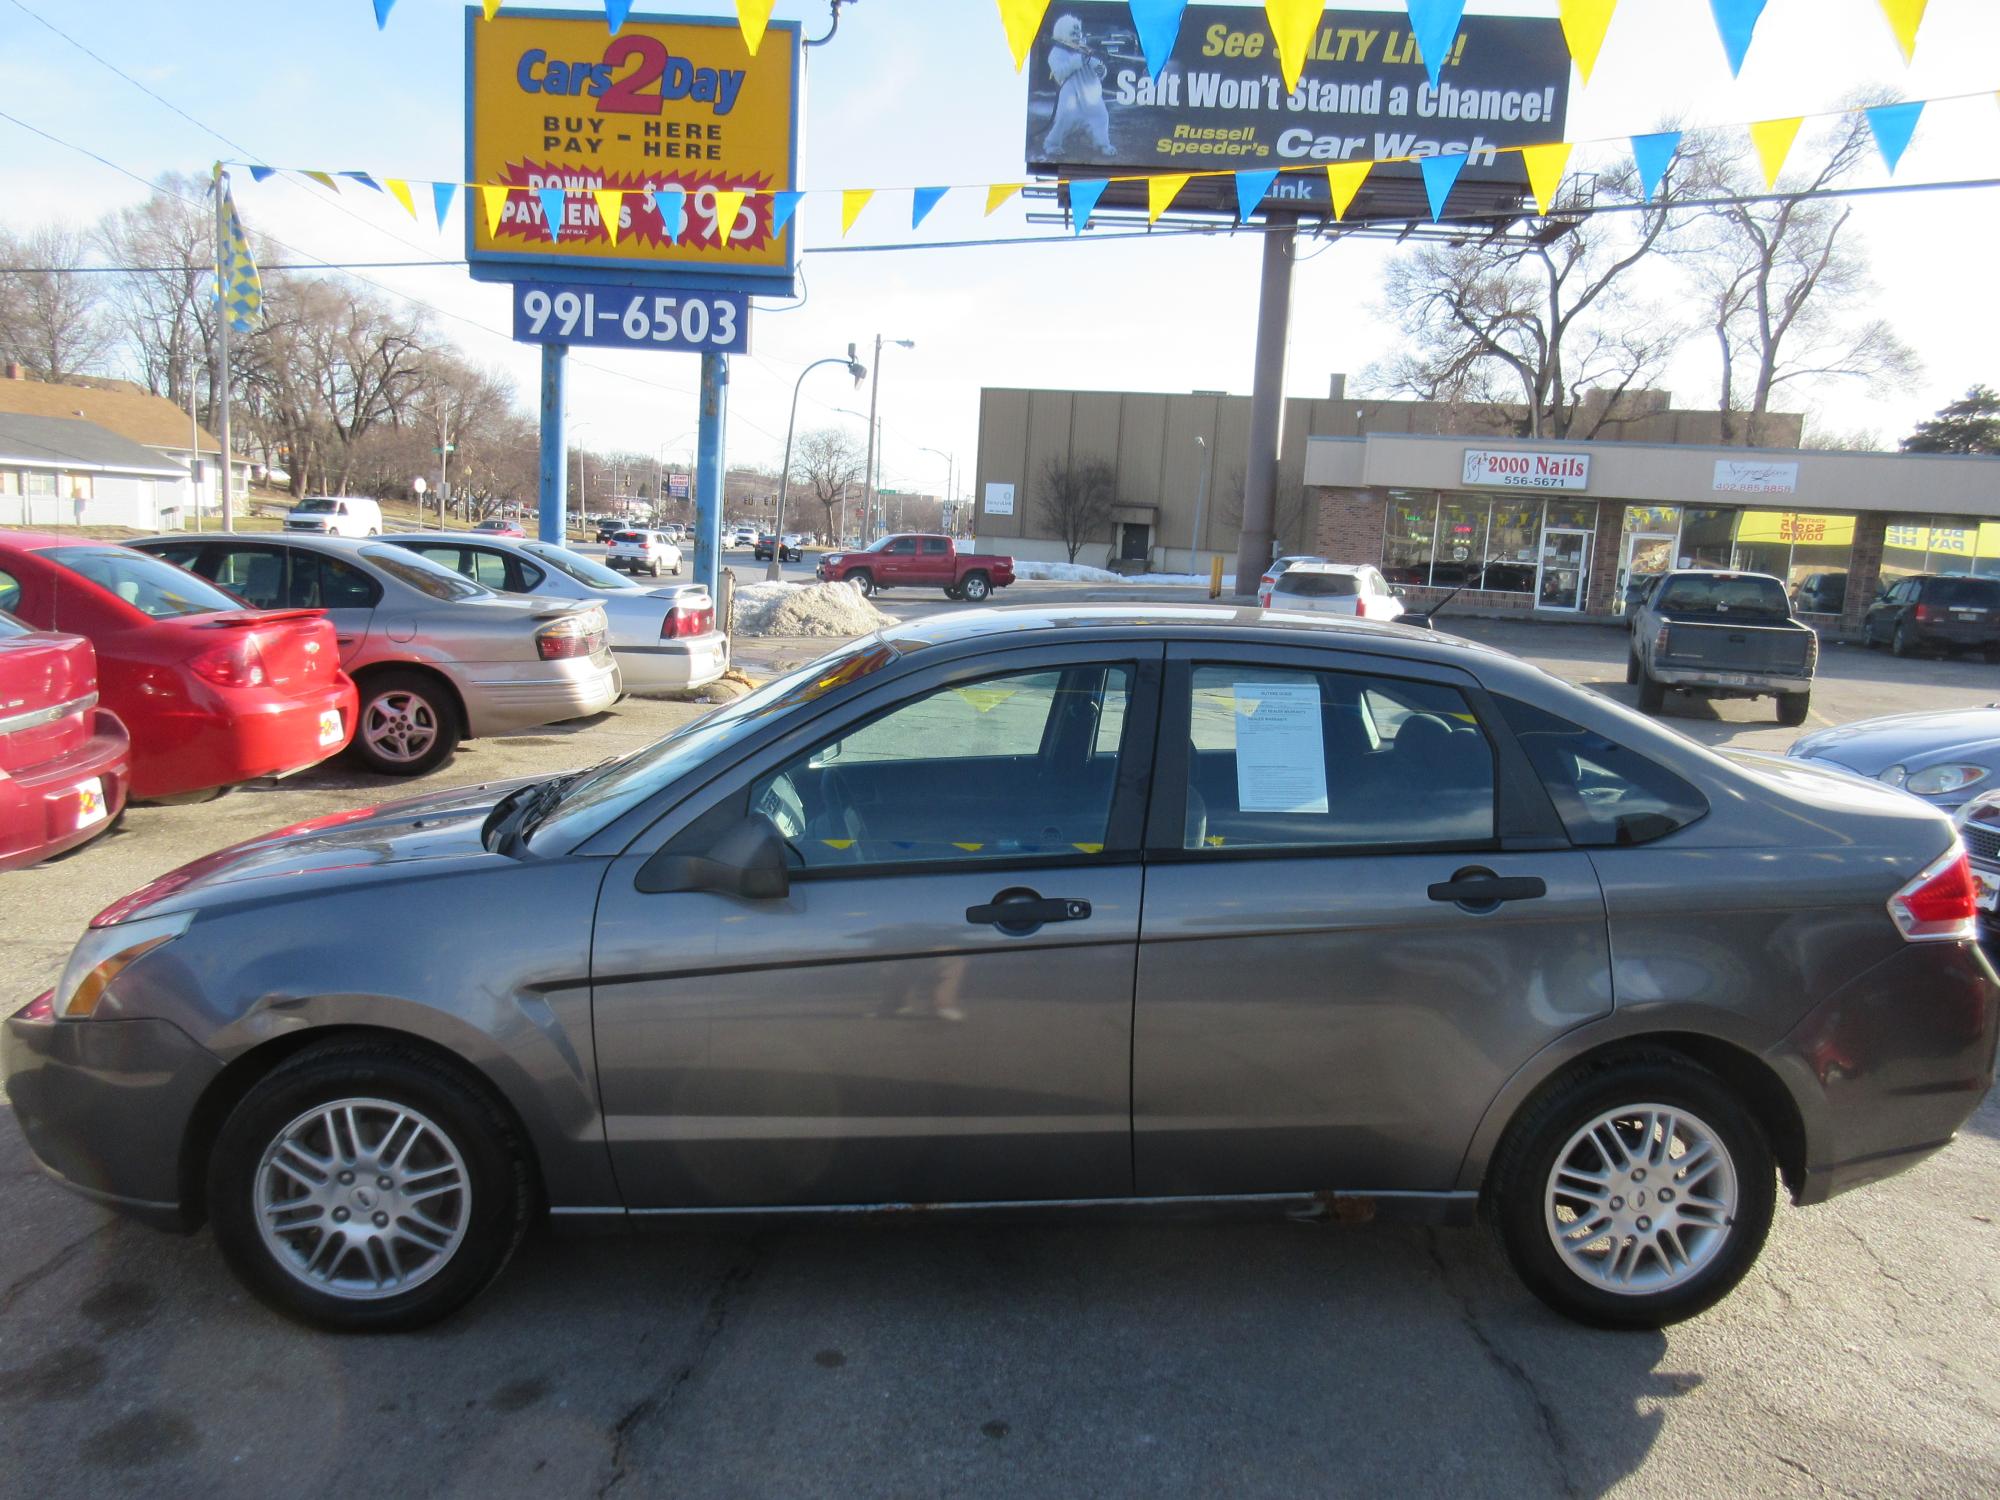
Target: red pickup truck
(920, 561)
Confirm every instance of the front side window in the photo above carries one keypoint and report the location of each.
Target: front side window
(1279, 757)
(149, 584)
(1604, 793)
(902, 546)
(1005, 768)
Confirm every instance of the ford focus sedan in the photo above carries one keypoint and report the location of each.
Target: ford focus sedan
(1072, 910)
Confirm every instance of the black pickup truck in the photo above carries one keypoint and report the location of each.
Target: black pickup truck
(1722, 635)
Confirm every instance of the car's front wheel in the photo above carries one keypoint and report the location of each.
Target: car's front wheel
(1635, 1193)
(364, 1185)
(1900, 643)
(864, 580)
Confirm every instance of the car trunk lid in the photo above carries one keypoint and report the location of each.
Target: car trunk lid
(48, 689)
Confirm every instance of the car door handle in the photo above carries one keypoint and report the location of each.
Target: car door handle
(1025, 910)
(1483, 888)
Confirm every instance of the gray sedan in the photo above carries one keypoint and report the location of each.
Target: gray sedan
(438, 658)
(1091, 909)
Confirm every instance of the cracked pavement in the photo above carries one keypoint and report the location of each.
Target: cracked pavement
(911, 1358)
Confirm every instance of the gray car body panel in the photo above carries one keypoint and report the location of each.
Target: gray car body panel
(1916, 741)
(862, 1041)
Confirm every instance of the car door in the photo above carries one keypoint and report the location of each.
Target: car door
(895, 561)
(318, 580)
(886, 1032)
(933, 561)
(1361, 919)
(1879, 623)
(253, 571)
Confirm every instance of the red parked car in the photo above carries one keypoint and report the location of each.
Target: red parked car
(920, 561)
(500, 528)
(63, 760)
(213, 691)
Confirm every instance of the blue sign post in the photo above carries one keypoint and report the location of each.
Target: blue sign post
(554, 498)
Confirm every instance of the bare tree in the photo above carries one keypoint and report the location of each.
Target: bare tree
(827, 461)
(163, 304)
(1549, 317)
(54, 321)
(1076, 499)
(1784, 285)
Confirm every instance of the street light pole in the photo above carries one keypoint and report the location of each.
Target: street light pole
(777, 567)
(874, 389)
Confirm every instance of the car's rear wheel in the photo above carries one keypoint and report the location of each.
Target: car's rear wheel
(864, 580)
(1652, 691)
(367, 1186)
(1632, 667)
(408, 724)
(1635, 1193)
(975, 588)
(1792, 708)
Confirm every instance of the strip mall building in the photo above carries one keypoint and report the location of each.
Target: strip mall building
(1558, 529)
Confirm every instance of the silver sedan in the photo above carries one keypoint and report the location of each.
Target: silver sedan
(1090, 909)
(438, 658)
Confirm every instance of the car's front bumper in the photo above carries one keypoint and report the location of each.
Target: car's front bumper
(105, 1106)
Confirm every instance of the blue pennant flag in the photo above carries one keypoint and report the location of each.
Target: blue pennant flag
(1893, 125)
(1736, 22)
(672, 206)
(783, 206)
(382, 9)
(1250, 190)
(615, 12)
(1083, 196)
(259, 174)
(1653, 154)
(441, 195)
(1440, 174)
(1435, 24)
(925, 200)
(555, 204)
(364, 179)
(1158, 23)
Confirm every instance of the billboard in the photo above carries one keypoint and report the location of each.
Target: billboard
(1220, 104)
(669, 103)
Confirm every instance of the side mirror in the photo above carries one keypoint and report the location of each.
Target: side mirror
(748, 860)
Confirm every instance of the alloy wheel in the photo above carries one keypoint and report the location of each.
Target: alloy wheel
(399, 726)
(1641, 1198)
(362, 1199)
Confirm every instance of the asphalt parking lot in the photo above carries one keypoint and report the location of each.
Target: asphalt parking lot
(1021, 1359)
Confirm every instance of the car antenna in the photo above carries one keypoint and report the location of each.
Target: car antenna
(1427, 617)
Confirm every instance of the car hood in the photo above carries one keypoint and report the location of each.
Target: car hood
(1871, 746)
(435, 826)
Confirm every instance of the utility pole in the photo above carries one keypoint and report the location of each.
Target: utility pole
(222, 260)
(194, 441)
(872, 468)
(1267, 400)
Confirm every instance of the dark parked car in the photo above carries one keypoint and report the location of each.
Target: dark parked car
(1933, 612)
(1821, 594)
(767, 542)
(1093, 907)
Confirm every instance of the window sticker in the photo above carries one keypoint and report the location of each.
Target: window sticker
(1280, 754)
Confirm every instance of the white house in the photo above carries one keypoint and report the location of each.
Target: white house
(60, 471)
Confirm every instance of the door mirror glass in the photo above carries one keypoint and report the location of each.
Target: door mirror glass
(747, 859)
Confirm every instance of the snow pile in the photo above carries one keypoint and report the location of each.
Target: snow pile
(1228, 579)
(1062, 572)
(824, 609)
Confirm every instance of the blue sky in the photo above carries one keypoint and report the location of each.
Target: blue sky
(923, 91)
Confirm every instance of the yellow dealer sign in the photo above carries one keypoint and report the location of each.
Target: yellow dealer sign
(665, 114)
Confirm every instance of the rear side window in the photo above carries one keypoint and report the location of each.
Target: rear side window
(1963, 593)
(425, 576)
(1737, 596)
(1605, 794)
(328, 583)
(1317, 585)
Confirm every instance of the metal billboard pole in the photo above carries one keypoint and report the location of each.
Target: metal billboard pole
(710, 473)
(1267, 401)
(554, 497)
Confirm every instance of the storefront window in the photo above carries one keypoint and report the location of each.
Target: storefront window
(1461, 545)
(1941, 544)
(1510, 547)
(1469, 541)
(1708, 539)
(1579, 515)
(1408, 535)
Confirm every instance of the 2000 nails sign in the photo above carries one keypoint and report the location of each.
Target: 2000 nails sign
(648, 137)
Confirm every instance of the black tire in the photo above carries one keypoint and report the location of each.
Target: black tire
(864, 580)
(953, 591)
(1652, 691)
(1632, 666)
(494, 1209)
(656, 570)
(976, 588)
(1517, 1201)
(428, 704)
(1792, 708)
(1899, 643)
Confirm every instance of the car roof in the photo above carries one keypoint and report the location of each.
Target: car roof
(35, 541)
(1327, 567)
(1722, 573)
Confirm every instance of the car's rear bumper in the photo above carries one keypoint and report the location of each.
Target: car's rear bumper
(504, 696)
(1716, 680)
(252, 733)
(43, 809)
(105, 1105)
(1891, 1065)
(671, 666)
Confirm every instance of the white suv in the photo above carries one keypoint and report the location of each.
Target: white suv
(643, 552)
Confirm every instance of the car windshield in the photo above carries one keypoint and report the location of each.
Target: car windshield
(317, 507)
(1318, 585)
(582, 569)
(1965, 593)
(425, 576)
(150, 585)
(614, 790)
(1735, 596)
(11, 627)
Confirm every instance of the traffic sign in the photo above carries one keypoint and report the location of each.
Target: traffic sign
(629, 317)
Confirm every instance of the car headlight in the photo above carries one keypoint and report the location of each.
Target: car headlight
(103, 953)
(831, 559)
(1894, 776)
(1935, 780)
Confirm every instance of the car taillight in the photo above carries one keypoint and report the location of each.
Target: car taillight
(1921, 612)
(564, 639)
(1660, 642)
(235, 663)
(1941, 905)
(683, 621)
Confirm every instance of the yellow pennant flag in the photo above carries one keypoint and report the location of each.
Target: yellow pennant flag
(400, 191)
(1905, 16)
(1584, 23)
(1545, 170)
(753, 16)
(1022, 18)
(492, 8)
(610, 207)
(324, 179)
(494, 200)
(1773, 140)
(852, 201)
(728, 205)
(1161, 192)
(1344, 178)
(999, 193)
(1293, 23)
